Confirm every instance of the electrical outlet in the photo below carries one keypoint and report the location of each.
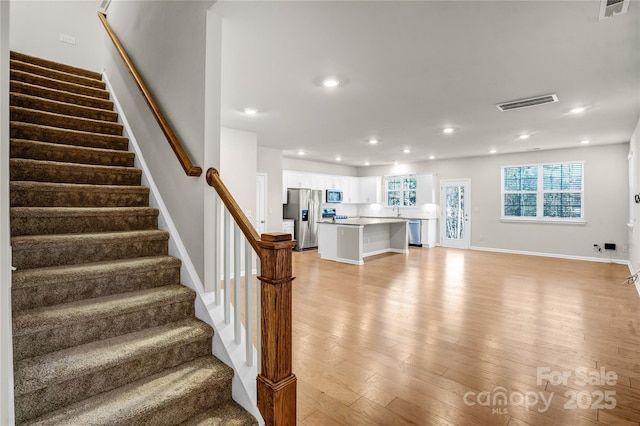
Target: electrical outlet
(66, 38)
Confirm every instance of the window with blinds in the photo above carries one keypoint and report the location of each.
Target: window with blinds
(543, 191)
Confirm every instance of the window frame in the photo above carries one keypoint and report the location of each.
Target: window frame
(402, 190)
(540, 192)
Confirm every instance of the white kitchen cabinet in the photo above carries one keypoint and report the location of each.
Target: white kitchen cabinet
(370, 189)
(333, 182)
(429, 229)
(298, 180)
(426, 189)
(350, 190)
(294, 180)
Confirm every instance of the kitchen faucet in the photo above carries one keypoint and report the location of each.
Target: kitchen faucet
(398, 209)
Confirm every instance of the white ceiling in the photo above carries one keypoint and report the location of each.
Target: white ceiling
(412, 68)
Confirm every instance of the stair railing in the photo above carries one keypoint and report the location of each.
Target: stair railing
(177, 147)
(276, 383)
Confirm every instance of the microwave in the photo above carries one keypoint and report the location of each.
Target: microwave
(334, 196)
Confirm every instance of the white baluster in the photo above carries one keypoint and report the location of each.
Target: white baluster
(248, 299)
(237, 279)
(216, 266)
(227, 266)
(259, 315)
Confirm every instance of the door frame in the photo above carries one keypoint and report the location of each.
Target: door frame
(466, 243)
(265, 203)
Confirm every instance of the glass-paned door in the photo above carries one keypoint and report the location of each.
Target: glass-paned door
(455, 204)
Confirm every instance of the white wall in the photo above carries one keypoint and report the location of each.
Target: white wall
(317, 167)
(6, 344)
(605, 202)
(37, 25)
(634, 210)
(270, 162)
(238, 167)
(167, 42)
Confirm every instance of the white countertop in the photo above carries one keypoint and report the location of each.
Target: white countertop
(365, 221)
(402, 217)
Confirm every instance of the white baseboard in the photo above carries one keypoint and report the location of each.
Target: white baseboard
(387, 250)
(556, 255)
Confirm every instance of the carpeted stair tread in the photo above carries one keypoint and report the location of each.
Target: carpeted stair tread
(227, 414)
(49, 382)
(65, 108)
(45, 151)
(19, 87)
(38, 132)
(34, 288)
(52, 83)
(40, 251)
(166, 398)
(48, 194)
(53, 328)
(26, 115)
(52, 171)
(56, 74)
(61, 366)
(72, 220)
(55, 65)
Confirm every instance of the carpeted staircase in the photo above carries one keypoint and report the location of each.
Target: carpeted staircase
(103, 331)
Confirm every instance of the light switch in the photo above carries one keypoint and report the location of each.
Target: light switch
(66, 38)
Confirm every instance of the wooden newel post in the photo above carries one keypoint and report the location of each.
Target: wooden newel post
(276, 381)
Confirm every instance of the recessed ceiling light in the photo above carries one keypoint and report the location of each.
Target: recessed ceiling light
(330, 82)
(367, 163)
(584, 142)
(406, 150)
(338, 158)
(577, 110)
(250, 111)
(448, 130)
(524, 136)
(373, 141)
(300, 152)
(492, 151)
(432, 157)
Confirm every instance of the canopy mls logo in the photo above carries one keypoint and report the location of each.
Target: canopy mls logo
(499, 399)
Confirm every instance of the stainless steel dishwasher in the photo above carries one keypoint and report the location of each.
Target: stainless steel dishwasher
(415, 233)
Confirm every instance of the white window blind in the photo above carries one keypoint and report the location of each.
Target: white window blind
(544, 191)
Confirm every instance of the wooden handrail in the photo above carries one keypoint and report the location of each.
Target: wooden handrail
(177, 147)
(214, 180)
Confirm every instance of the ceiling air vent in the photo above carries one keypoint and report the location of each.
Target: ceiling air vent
(529, 102)
(609, 8)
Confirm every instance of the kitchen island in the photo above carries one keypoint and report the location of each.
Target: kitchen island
(351, 240)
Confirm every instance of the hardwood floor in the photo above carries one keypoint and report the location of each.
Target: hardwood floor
(407, 339)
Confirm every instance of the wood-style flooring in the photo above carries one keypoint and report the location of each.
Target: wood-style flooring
(403, 339)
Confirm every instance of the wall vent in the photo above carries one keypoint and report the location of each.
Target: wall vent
(609, 8)
(529, 102)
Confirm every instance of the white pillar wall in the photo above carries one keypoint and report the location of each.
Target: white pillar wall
(6, 354)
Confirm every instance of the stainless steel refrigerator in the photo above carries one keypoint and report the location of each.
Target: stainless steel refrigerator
(304, 206)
